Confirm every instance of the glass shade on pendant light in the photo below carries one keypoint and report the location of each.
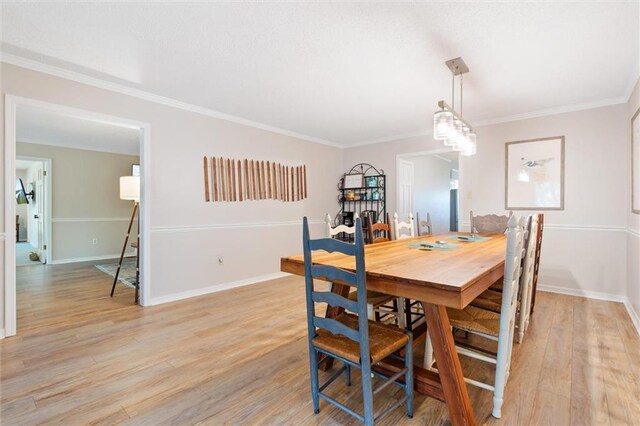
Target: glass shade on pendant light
(462, 140)
(471, 147)
(453, 132)
(442, 122)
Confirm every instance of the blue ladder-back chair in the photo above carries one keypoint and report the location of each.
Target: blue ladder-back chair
(353, 340)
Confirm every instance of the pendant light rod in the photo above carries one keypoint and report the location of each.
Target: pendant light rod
(453, 89)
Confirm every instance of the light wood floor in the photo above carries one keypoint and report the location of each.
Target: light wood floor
(240, 357)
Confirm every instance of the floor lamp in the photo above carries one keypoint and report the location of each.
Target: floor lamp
(130, 190)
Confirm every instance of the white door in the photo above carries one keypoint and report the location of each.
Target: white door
(405, 190)
(40, 213)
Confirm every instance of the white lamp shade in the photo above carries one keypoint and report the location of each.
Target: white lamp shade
(130, 188)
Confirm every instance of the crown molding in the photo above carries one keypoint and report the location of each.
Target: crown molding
(30, 64)
(509, 118)
(553, 111)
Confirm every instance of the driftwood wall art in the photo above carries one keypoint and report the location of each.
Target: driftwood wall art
(245, 180)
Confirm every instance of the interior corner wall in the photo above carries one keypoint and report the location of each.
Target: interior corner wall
(633, 219)
(584, 249)
(188, 234)
(85, 201)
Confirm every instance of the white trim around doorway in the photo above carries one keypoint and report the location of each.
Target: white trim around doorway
(11, 104)
(433, 152)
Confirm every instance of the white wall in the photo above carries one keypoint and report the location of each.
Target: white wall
(633, 219)
(584, 247)
(432, 190)
(85, 201)
(187, 234)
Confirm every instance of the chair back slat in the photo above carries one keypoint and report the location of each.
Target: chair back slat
(333, 299)
(332, 232)
(333, 274)
(337, 328)
(489, 223)
(331, 245)
(344, 277)
(378, 232)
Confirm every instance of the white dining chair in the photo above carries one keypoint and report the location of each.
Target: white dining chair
(333, 231)
(399, 227)
(491, 299)
(526, 278)
(425, 227)
(492, 325)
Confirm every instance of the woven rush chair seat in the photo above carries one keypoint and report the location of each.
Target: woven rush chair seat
(497, 286)
(383, 340)
(490, 300)
(475, 320)
(373, 297)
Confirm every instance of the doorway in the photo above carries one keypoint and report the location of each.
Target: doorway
(433, 181)
(14, 124)
(33, 211)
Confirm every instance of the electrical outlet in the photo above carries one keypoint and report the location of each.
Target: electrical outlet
(220, 260)
(94, 241)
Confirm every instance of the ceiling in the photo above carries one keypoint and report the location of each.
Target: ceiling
(41, 126)
(346, 73)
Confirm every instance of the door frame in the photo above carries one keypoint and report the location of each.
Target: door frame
(11, 104)
(406, 155)
(47, 201)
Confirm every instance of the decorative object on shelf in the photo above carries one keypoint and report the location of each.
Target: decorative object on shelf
(353, 180)
(245, 180)
(448, 125)
(635, 162)
(361, 190)
(534, 174)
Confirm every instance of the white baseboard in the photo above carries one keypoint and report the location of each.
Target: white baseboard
(2, 336)
(635, 319)
(583, 293)
(215, 288)
(89, 258)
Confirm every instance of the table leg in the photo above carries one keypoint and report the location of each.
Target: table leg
(448, 363)
(333, 312)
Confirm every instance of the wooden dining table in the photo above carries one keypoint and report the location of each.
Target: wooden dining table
(439, 279)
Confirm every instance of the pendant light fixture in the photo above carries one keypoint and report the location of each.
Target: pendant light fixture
(448, 125)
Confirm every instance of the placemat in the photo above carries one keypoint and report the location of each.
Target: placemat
(469, 238)
(433, 246)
